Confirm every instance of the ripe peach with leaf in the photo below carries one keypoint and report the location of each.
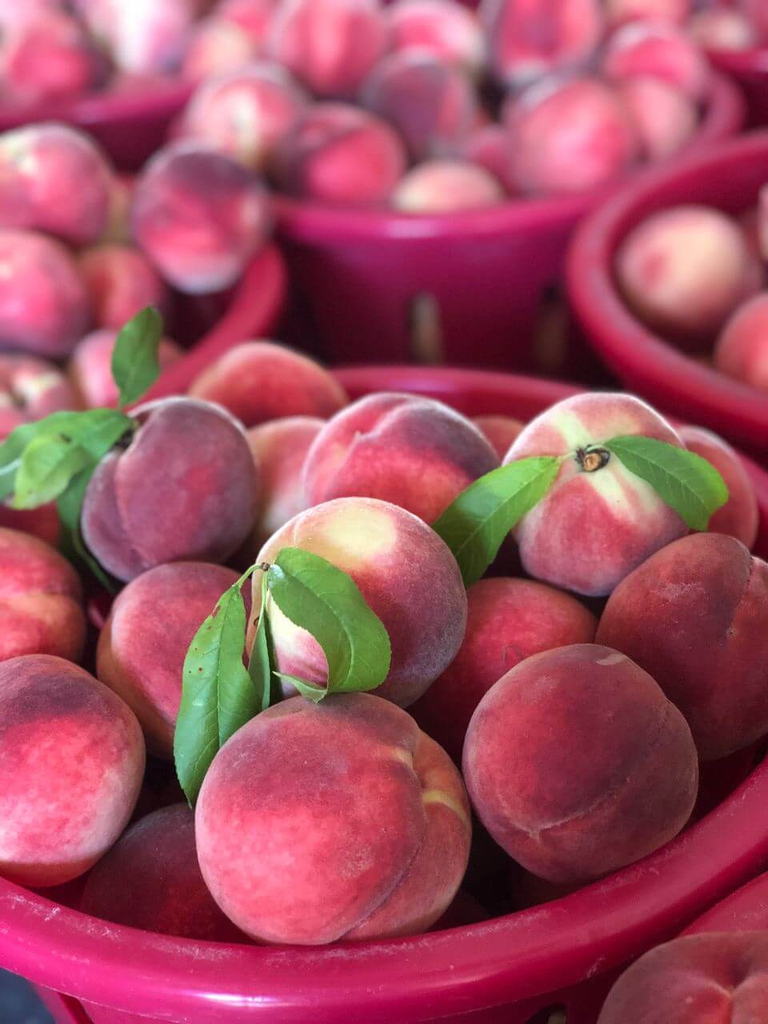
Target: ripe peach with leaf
(90, 367)
(31, 389)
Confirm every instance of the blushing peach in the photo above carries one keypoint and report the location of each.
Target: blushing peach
(665, 118)
(507, 620)
(684, 270)
(443, 28)
(254, 17)
(199, 216)
(560, 757)
(739, 517)
(151, 880)
(71, 764)
(184, 489)
(43, 303)
(31, 389)
(120, 282)
(569, 137)
(742, 348)
(340, 155)
(378, 850)
(414, 452)
(143, 36)
(216, 45)
(144, 641)
(695, 615)
(432, 105)
(488, 147)
(657, 51)
(598, 521)
(499, 431)
(259, 381)
(329, 45)
(722, 29)
(90, 368)
(399, 564)
(619, 12)
(43, 522)
(446, 186)
(528, 39)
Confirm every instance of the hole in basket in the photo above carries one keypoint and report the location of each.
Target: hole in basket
(425, 330)
(550, 1015)
(550, 337)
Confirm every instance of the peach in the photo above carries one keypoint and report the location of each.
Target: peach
(446, 186)
(684, 270)
(143, 36)
(695, 615)
(71, 764)
(399, 564)
(151, 880)
(90, 368)
(366, 813)
(499, 431)
(43, 302)
(54, 179)
(569, 137)
(665, 118)
(120, 282)
(757, 13)
(742, 348)
(432, 105)
(414, 452)
(329, 45)
(528, 39)
(507, 620)
(259, 381)
(42, 522)
(254, 17)
(443, 28)
(41, 600)
(215, 47)
(488, 147)
(657, 51)
(618, 12)
(699, 979)
(184, 489)
(739, 517)
(244, 114)
(598, 521)
(560, 757)
(144, 641)
(199, 217)
(279, 449)
(31, 389)
(722, 29)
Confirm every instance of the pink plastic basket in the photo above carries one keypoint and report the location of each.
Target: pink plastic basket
(465, 289)
(507, 971)
(749, 68)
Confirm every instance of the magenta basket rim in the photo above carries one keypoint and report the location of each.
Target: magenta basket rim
(482, 965)
(725, 113)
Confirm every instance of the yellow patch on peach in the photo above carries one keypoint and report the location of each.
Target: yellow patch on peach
(438, 796)
(352, 535)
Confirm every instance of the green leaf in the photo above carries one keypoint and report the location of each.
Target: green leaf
(46, 468)
(218, 695)
(475, 524)
(135, 361)
(260, 663)
(324, 600)
(12, 449)
(311, 690)
(683, 480)
(69, 506)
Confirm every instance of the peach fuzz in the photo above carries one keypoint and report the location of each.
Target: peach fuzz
(742, 349)
(414, 452)
(699, 979)
(245, 113)
(378, 850)
(259, 381)
(41, 600)
(185, 488)
(507, 620)
(665, 118)
(199, 217)
(740, 516)
(399, 565)
(151, 880)
(684, 270)
(120, 282)
(567, 137)
(695, 616)
(446, 186)
(722, 29)
(329, 45)
(560, 757)
(432, 105)
(528, 39)
(90, 368)
(144, 641)
(71, 765)
(598, 521)
(443, 28)
(340, 155)
(279, 450)
(43, 302)
(657, 51)
(215, 47)
(499, 431)
(31, 389)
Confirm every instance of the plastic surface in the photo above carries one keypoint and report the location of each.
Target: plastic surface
(750, 69)
(500, 972)
(727, 177)
(465, 289)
